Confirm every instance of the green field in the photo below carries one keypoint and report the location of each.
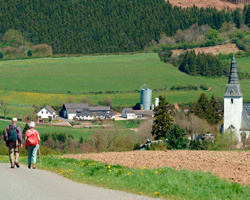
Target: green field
(40, 81)
(76, 132)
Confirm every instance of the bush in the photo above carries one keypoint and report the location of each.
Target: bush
(225, 141)
(1, 55)
(10, 50)
(43, 48)
(29, 53)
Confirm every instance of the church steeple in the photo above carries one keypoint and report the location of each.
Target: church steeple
(233, 79)
(233, 86)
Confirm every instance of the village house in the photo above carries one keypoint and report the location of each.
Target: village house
(82, 111)
(46, 112)
(129, 113)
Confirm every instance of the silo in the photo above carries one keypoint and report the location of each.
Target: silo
(146, 96)
(156, 102)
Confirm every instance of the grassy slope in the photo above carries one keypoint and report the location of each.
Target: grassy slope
(163, 182)
(100, 73)
(76, 132)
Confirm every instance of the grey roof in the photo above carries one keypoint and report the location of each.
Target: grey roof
(71, 111)
(86, 113)
(245, 120)
(129, 110)
(76, 105)
(100, 108)
(51, 110)
(233, 87)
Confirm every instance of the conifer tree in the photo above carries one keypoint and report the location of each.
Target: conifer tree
(176, 138)
(163, 121)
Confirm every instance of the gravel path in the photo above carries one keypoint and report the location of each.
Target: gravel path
(29, 184)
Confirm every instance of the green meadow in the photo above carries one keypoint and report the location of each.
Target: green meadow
(52, 80)
(76, 132)
(163, 182)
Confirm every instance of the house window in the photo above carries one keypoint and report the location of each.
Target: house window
(42, 112)
(232, 101)
(46, 112)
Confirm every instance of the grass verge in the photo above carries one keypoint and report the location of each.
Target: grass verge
(162, 182)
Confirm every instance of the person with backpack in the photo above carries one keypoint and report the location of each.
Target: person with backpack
(32, 140)
(14, 135)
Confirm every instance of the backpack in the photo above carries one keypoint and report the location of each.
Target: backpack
(12, 133)
(32, 139)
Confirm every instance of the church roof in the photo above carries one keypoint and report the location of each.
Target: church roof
(233, 87)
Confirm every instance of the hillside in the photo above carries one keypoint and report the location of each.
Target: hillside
(51, 81)
(101, 26)
(220, 5)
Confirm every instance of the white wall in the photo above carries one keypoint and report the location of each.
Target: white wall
(233, 114)
(44, 113)
(71, 116)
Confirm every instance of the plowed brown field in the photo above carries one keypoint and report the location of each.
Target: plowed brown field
(206, 3)
(230, 165)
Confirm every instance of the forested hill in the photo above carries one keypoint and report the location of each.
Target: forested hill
(98, 26)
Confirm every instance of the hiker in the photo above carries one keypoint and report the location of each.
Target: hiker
(32, 140)
(14, 134)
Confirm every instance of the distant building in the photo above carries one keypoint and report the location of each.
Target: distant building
(129, 113)
(47, 112)
(236, 114)
(82, 111)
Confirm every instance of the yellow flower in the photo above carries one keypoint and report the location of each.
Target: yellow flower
(140, 192)
(110, 170)
(72, 170)
(117, 170)
(142, 174)
(101, 179)
(156, 172)
(156, 193)
(90, 178)
(82, 174)
(107, 179)
(159, 169)
(108, 166)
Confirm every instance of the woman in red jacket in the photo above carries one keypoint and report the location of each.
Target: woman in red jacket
(32, 140)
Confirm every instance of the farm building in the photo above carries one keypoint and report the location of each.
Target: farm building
(236, 114)
(47, 112)
(82, 111)
(129, 113)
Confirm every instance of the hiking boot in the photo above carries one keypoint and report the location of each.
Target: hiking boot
(12, 166)
(34, 166)
(29, 166)
(17, 165)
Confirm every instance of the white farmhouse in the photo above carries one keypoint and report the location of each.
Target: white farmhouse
(128, 113)
(236, 114)
(47, 112)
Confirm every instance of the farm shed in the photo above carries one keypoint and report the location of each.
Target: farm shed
(69, 109)
(128, 113)
(47, 112)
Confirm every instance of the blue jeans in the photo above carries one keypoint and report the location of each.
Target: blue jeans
(32, 153)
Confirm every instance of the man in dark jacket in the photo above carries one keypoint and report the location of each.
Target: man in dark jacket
(14, 134)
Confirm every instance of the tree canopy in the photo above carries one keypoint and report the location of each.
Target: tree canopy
(101, 26)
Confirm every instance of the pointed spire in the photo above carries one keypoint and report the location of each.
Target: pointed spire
(233, 79)
(233, 87)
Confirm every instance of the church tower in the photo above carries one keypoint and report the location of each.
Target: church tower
(233, 102)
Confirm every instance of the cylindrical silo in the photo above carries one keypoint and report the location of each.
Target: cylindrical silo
(146, 96)
(156, 102)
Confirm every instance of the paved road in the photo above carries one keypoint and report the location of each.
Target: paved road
(29, 184)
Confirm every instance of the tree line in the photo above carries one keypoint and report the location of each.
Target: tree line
(204, 64)
(100, 26)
